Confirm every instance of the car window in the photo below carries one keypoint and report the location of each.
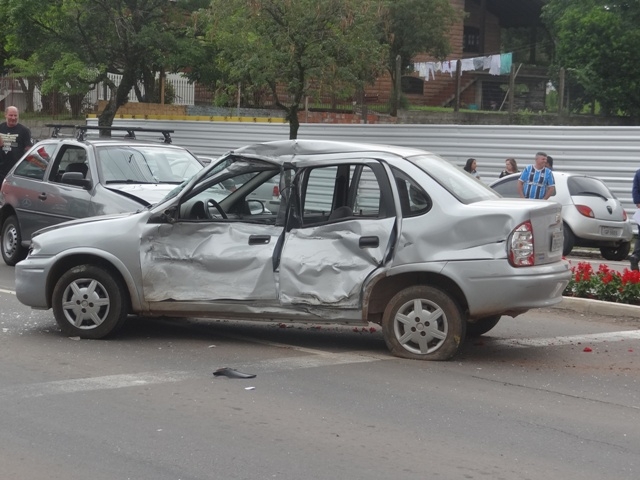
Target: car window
(508, 187)
(71, 158)
(453, 179)
(414, 200)
(588, 186)
(333, 193)
(35, 164)
(237, 189)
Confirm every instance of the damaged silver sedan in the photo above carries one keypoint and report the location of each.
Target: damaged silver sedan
(354, 234)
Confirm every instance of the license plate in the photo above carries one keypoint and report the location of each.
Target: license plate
(557, 239)
(610, 231)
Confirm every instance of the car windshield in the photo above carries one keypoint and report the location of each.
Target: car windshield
(455, 180)
(146, 164)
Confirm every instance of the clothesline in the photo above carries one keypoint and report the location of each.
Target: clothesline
(499, 64)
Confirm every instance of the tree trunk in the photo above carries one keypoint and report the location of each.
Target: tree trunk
(294, 123)
(118, 98)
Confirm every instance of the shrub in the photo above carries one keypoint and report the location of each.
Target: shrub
(604, 284)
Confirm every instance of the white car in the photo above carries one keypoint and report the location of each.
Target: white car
(592, 215)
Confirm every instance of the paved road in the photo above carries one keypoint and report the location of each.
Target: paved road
(551, 394)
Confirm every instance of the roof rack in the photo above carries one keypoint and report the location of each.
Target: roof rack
(57, 127)
(131, 131)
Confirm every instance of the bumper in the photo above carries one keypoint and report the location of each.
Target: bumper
(494, 287)
(31, 282)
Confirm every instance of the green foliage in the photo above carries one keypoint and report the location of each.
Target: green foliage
(597, 44)
(302, 46)
(72, 44)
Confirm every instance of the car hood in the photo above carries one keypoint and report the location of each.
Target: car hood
(149, 193)
(82, 221)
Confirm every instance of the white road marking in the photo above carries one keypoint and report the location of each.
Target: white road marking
(569, 339)
(10, 292)
(108, 382)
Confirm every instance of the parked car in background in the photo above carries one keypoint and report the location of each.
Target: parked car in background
(65, 178)
(363, 233)
(592, 216)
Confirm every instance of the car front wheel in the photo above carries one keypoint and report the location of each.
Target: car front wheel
(616, 253)
(88, 302)
(12, 249)
(423, 323)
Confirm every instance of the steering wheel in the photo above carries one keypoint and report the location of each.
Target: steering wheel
(212, 203)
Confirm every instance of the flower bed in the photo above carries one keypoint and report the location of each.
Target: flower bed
(604, 284)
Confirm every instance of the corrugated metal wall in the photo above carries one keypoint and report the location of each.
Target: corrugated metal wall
(609, 153)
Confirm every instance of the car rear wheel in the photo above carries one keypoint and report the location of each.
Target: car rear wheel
(88, 302)
(569, 240)
(423, 323)
(616, 253)
(12, 249)
(482, 325)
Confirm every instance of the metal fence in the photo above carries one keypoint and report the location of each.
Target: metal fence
(609, 153)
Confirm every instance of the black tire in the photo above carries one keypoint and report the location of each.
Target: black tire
(621, 252)
(482, 325)
(12, 249)
(436, 332)
(88, 302)
(569, 240)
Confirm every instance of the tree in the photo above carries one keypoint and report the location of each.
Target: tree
(411, 27)
(299, 46)
(597, 44)
(132, 38)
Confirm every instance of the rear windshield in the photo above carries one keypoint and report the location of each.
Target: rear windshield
(588, 186)
(454, 179)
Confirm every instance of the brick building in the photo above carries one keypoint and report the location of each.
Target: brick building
(478, 34)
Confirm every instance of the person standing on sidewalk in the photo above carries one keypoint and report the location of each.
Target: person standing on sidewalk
(536, 181)
(634, 258)
(15, 139)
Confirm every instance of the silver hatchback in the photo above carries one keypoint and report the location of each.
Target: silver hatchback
(360, 233)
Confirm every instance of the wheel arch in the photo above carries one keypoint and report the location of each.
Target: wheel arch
(68, 262)
(5, 212)
(379, 294)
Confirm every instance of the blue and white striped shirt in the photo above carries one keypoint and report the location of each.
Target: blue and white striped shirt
(536, 182)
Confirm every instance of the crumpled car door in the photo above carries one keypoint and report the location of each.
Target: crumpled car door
(325, 261)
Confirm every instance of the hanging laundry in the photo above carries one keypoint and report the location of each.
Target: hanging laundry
(506, 60)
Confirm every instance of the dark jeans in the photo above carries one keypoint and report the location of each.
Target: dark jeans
(636, 249)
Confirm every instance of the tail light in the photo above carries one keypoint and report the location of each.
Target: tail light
(586, 211)
(624, 215)
(521, 246)
(276, 192)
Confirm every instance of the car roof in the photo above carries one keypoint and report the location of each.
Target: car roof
(283, 151)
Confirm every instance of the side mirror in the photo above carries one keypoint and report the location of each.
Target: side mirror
(77, 179)
(256, 207)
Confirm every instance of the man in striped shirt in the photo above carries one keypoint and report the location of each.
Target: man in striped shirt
(536, 181)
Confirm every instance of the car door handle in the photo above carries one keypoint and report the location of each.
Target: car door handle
(42, 196)
(369, 242)
(259, 239)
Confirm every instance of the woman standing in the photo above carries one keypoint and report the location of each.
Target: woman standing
(470, 167)
(510, 167)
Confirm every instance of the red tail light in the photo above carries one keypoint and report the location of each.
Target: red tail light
(276, 191)
(586, 211)
(521, 251)
(624, 215)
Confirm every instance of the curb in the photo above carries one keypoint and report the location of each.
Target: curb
(586, 305)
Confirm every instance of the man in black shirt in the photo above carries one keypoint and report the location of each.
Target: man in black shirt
(15, 139)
